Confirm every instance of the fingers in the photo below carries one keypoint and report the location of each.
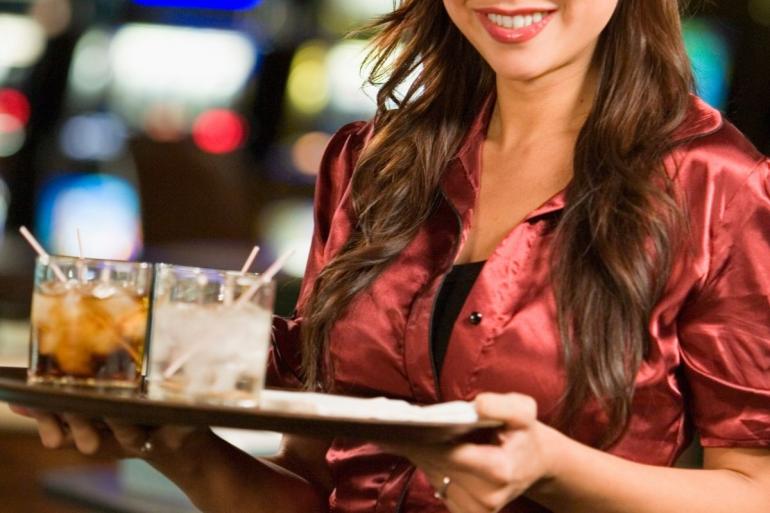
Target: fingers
(87, 438)
(466, 458)
(129, 436)
(461, 495)
(53, 433)
(516, 410)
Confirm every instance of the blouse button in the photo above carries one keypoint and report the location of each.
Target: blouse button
(475, 318)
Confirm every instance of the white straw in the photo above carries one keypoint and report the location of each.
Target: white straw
(265, 278)
(229, 286)
(80, 244)
(179, 362)
(81, 263)
(250, 261)
(42, 253)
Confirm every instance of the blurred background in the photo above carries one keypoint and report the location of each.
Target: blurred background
(186, 131)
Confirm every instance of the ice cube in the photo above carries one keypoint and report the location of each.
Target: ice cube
(71, 355)
(103, 290)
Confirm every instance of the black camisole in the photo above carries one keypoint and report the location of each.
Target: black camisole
(451, 298)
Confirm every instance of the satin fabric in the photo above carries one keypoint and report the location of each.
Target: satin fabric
(708, 368)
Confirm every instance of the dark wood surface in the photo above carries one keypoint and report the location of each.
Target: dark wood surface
(26, 464)
(141, 410)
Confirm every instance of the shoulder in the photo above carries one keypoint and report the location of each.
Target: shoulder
(346, 144)
(342, 153)
(339, 160)
(714, 164)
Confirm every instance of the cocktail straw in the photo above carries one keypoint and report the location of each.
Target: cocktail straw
(264, 278)
(229, 292)
(42, 253)
(250, 261)
(81, 259)
(80, 245)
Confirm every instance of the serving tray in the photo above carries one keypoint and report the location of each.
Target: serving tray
(138, 408)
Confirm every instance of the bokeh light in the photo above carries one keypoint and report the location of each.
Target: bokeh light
(94, 136)
(340, 16)
(198, 68)
(104, 208)
(286, 225)
(219, 131)
(711, 57)
(15, 104)
(759, 10)
(53, 15)
(349, 94)
(307, 152)
(12, 135)
(331, 81)
(166, 121)
(23, 41)
(90, 72)
(307, 88)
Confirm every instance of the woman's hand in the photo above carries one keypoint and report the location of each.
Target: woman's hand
(108, 438)
(473, 478)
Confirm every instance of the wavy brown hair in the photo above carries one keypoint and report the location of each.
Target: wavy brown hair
(615, 239)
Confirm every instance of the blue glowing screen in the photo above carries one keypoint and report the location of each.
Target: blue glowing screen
(222, 5)
(105, 208)
(711, 56)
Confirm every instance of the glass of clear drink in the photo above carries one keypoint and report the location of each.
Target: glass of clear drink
(89, 322)
(211, 333)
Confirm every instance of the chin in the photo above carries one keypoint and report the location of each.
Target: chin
(520, 71)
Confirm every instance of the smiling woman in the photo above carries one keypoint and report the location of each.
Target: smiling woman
(616, 297)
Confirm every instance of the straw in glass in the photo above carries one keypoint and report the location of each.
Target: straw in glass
(45, 257)
(263, 279)
(229, 286)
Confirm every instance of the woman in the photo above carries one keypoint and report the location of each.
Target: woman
(549, 223)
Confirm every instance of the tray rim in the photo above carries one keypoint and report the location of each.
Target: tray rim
(14, 389)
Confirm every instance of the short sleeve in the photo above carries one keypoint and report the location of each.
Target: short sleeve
(284, 362)
(725, 330)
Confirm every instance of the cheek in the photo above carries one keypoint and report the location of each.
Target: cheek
(588, 18)
(458, 13)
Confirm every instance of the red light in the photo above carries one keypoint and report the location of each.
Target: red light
(9, 124)
(219, 131)
(14, 104)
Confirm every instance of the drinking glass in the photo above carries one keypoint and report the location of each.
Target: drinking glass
(211, 333)
(89, 322)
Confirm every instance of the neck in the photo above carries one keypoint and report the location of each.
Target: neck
(555, 105)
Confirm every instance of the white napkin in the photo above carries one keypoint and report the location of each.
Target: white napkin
(378, 408)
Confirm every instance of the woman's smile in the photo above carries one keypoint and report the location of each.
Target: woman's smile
(523, 40)
(514, 26)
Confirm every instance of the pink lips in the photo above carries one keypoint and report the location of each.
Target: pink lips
(512, 35)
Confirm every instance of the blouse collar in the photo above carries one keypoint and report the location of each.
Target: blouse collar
(701, 120)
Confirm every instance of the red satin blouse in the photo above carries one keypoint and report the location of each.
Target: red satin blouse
(708, 367)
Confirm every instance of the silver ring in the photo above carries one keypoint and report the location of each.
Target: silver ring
(146, 448)
(440, 494)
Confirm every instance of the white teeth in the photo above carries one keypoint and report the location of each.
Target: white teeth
(516, 22)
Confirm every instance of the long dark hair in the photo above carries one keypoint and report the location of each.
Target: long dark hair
(614, 240)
